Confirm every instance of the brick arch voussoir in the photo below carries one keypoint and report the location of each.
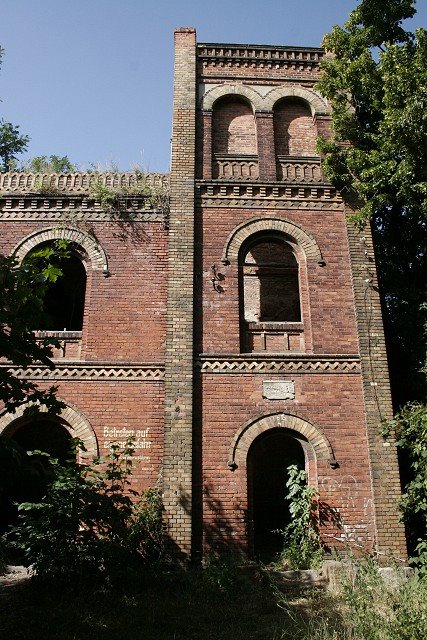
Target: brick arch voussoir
(243, 439)
(77, 425)
(232, 90)
(317, 104)
(95, 252)
(236, 238)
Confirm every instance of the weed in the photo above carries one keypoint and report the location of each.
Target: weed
(301, 537)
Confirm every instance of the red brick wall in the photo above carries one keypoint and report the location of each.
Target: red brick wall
(334, 402)
(133, 406)
(327, 304)
(124, 317)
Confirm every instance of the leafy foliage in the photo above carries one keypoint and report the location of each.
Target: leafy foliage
(109, 198)
(410, 428)
(45, 164)
(11, 141)
(23, 289)
(147, 528)
(86, 526)
(376, 82)
(301, 537)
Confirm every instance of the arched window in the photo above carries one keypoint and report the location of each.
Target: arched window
(294, 130)
(270, 295)
(234, 143)
(63, 305)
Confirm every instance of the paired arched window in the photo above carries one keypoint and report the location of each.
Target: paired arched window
(270, 308)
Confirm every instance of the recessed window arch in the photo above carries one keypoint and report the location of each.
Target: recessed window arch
(64, 300)
(233, 126)
(269, 285)
(294, 129)
(234, 139)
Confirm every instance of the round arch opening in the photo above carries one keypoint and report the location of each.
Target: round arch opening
(269, 457)
(26, 477)
(44, 434)
(64, 299)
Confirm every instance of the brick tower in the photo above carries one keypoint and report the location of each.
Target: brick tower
(287, 340)
(238, 335)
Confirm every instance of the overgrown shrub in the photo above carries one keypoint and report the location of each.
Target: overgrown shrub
(87, 525)
(409, 427)
(146, 531)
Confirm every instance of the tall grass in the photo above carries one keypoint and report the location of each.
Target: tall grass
(366, 609)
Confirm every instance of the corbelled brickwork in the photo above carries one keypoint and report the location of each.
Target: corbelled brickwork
(184, 346)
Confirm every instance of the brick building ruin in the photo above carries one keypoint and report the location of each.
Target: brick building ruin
(238, 334)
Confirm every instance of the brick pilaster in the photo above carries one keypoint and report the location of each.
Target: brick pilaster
(207, 145)
(265, 143)
(389, 531)
(177, 465)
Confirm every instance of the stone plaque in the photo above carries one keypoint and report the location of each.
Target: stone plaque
(278, 390)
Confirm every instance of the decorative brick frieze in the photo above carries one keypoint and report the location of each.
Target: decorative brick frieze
(63, 209)
(90, 372)
(299, 170)
(260, 364)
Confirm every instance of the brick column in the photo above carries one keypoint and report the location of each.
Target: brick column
(266, 149)
(389, 531)
(177, 464)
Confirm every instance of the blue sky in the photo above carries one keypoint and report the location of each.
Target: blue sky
(92, 79)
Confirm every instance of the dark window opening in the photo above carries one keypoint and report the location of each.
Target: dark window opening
(44, 435)
(63, 305)
(270, 283)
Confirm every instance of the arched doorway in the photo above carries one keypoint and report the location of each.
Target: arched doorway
(269, 456)
(24, 478)
(44, 434)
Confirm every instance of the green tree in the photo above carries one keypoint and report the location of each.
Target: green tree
(51, 164)
(23, 288)
(12, 142)
(376, 82)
